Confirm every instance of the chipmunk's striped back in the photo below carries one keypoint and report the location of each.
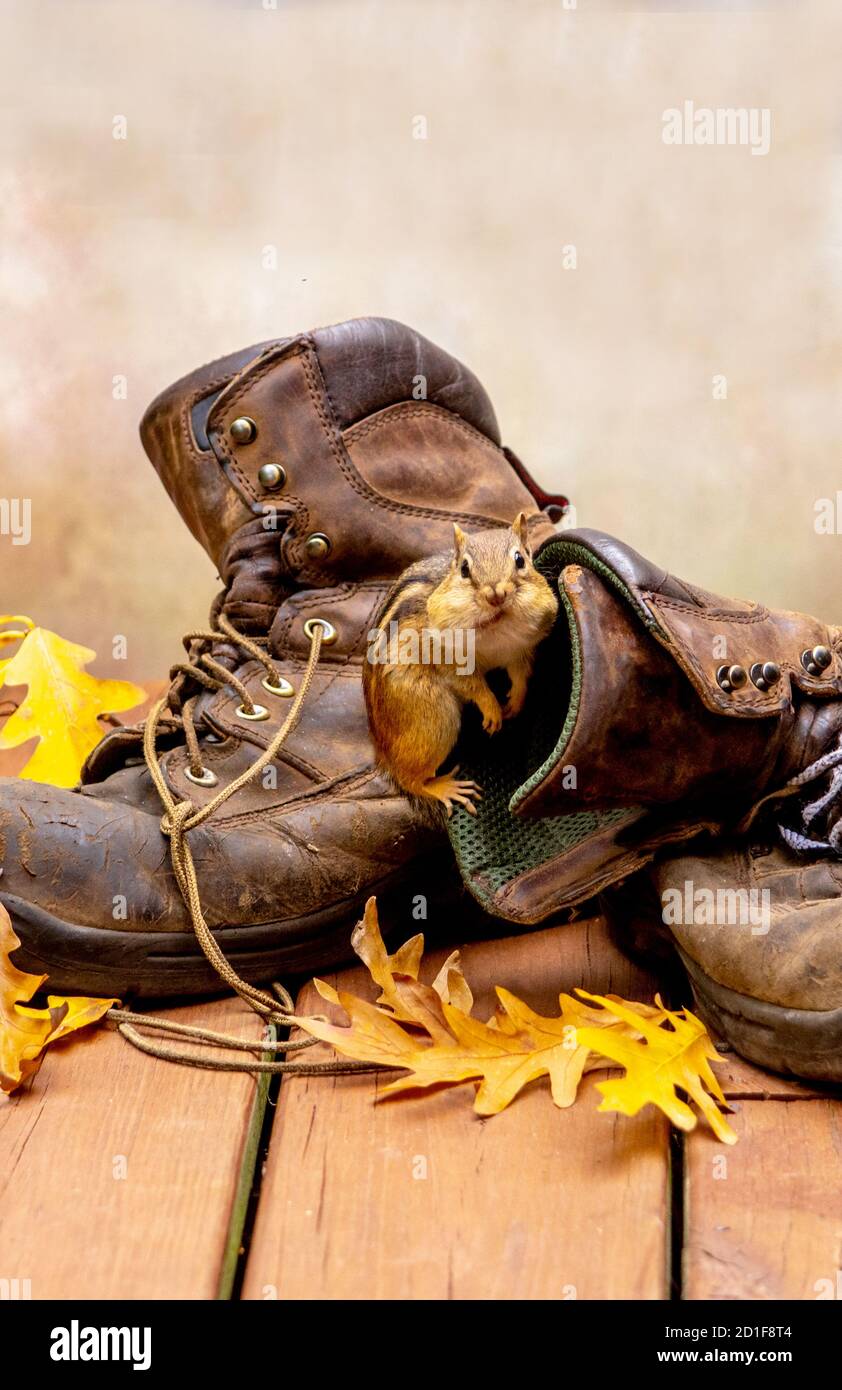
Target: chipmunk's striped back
(408, 597)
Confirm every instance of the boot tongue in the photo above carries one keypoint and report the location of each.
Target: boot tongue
(256, 583)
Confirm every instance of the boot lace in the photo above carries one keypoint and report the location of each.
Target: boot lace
(820, 827)
(181, 817)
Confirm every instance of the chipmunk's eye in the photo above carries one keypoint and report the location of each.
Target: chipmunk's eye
(520, 561)
(465, 570)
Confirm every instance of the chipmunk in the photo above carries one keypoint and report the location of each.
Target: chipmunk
(448, 621)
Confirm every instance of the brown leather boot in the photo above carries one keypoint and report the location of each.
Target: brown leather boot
(656, 711)
(313, 470)
(758, 928)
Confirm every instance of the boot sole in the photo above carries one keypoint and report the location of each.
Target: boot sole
(102, 963)
(797, 1042)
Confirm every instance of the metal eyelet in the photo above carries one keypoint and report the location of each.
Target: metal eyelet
(329, 633)
(258, 712)
(207, 779)
(285, 690)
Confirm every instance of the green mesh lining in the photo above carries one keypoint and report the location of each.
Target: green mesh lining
(494, 847)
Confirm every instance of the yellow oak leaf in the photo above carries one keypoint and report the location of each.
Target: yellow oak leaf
(659, 1060)
(450, 984)
(502, 1055)
(367, 942)
(19, 631)
(25, 1031)
(516, 1045)
(62, 704)
(15, 634)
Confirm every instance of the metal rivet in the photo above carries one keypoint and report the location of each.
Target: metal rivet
(256, 712)
(765, 674)
(243, 430)
(284, 689)
(816, 660)
(730, 678)
(317, 546)
(207, 779)
(329, 633)
(271, 476)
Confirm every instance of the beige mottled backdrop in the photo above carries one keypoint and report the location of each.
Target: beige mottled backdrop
(254, 125)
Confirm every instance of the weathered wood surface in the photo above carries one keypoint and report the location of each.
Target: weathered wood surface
(418, 1198)
(763, 1219)
(118, 1171)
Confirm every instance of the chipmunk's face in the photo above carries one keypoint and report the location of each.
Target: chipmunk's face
(494, 587)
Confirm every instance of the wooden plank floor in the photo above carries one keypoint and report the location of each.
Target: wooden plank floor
(118, 1172)
(419, 1198)
(764, 1218)
(109, 1155)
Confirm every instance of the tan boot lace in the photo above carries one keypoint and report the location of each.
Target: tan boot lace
(180, 817)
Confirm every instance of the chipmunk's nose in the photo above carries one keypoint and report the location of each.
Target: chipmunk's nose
(496, 594)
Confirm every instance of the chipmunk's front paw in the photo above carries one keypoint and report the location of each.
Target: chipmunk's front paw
(516, 701)
(452, 790)
(513, 707)
(492, 723)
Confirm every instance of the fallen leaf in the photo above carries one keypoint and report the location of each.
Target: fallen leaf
(503, 1055)
(507, 1058)
(367, 941)
(24, 1031)
(62, 704)
(516, 1045)
(673, 1052)
(9, 636)
(451, 985)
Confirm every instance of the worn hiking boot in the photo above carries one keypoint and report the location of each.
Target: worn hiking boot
(758, 927)
(249, 815)
(656, 711)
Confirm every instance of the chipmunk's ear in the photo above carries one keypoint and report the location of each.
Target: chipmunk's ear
(459, 538)
(520, 529)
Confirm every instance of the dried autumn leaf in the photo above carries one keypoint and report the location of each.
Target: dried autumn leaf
(506, 1058)
(367, 942)
(450, 984)
(24, 1031)
(516, 1045)
(62, 704)
(661, 1059)
(503, 1055)
(12, 635)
